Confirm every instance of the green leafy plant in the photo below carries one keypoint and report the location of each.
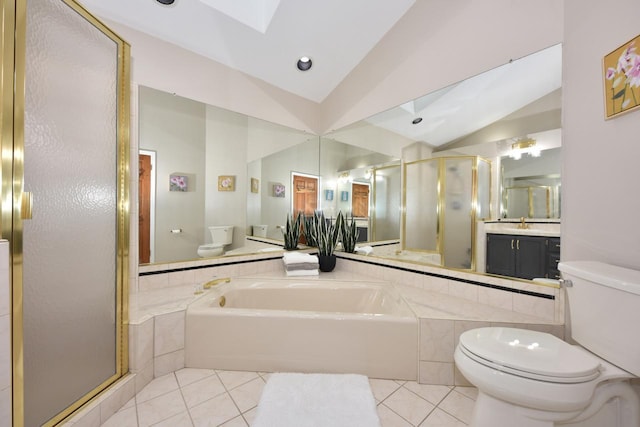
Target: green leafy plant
(292, 232)
(310, 227)
(327, 233)
(348, 232)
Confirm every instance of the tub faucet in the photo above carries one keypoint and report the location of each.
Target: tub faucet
(214, 282)
(523, 225)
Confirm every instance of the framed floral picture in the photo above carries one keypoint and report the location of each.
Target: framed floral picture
(226, 183)
(621, 69)
(178, 183)
(255, 185)
(278, 190)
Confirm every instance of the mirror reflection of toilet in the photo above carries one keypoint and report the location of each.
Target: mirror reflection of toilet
(532, 379)
(259, 230)
(221, 236)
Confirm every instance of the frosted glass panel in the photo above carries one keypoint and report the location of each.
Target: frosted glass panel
(421, 186)
(386, 210)
(70, 244)
(457, 213)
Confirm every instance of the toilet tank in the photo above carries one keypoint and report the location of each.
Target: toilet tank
(604, 308)
(222, 234)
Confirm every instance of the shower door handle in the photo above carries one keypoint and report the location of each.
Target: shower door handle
(26, 206)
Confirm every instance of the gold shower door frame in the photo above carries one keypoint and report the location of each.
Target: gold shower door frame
(440, 211)
(15, 207)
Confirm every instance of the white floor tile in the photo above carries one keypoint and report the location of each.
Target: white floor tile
(409, 406)
(160, 408)
(388, 418)
(182, 419)
(232, 379)
(202, 390)
(382, 389)
(214, 412)
(439, 418)
(458, 405)
(157, 387)
(204, 397)
(187, 376)
(432, 393)
(248, 394)
(126, 417)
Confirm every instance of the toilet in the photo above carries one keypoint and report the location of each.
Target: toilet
(533, 379)
(221, 235)
(259, 230)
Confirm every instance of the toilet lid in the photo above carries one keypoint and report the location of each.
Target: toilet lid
(530, 354)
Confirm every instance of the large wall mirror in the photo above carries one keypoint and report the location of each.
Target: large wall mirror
(509, 118)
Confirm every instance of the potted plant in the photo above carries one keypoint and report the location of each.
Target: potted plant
(292, 232)
(327, 235)
(348, 232)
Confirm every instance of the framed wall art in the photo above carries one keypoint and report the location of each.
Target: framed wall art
(621, 72)
(255, 185)
(226, 183)
(178, 183)
(278, 190)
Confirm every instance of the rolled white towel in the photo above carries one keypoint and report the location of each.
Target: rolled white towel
(298, 258)
(364, 250)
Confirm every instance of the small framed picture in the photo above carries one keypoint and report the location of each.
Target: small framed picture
(278, 190)
(255, 185)
(178, 183)
(328, 194)
(226, 183)
(344, 196)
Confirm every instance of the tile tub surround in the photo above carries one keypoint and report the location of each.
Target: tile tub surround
(167, 293)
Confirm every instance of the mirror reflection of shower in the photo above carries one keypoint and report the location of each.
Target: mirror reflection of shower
(443, 199)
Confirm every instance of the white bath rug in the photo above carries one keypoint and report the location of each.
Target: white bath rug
(317, 400)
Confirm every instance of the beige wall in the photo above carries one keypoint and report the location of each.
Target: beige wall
(601, 200)
(439, 42)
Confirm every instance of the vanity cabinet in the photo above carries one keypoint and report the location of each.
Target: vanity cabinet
(525, 257)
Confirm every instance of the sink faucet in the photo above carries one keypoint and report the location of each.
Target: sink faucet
(523, 225)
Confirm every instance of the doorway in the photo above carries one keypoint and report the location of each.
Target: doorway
(146, 205)
(360, 200)
(305, 194)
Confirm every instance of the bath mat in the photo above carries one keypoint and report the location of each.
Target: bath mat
(317, 400)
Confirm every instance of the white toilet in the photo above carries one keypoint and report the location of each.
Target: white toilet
(221, 235)
(533, 379)
(260, 230)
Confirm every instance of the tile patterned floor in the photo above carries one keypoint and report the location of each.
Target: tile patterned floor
(204, 397)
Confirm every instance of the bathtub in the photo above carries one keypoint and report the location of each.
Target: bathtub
(303, 326)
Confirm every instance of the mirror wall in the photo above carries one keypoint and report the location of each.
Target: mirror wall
(482, 116)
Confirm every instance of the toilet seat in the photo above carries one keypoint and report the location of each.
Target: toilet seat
(530, 354)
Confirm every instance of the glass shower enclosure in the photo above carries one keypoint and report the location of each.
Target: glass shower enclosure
(443, 198)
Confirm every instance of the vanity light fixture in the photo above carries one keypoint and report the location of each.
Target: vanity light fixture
(304, 63)
(524, 146)
(344, 177)
(416, 120)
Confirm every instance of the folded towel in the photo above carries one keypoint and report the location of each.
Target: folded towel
(364, 250)
(303, 273)
(298, 257)
(302, 266)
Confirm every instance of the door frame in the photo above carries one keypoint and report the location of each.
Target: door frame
(12, 85)
(152, 203)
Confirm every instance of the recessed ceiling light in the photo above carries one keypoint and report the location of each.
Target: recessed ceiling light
(416, 120)
(304, 63)
(165, 2)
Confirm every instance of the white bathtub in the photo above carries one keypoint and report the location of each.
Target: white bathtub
(304, 326)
